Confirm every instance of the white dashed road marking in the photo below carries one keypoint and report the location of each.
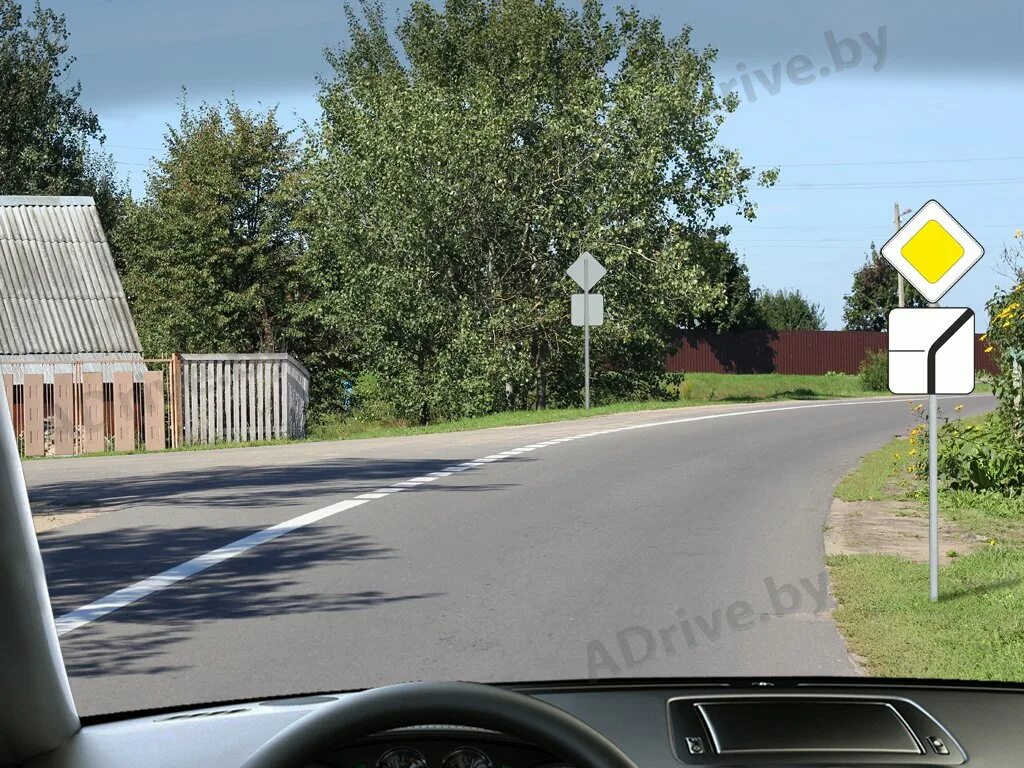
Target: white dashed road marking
(143, 589)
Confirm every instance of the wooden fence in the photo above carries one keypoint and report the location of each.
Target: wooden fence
(62, 409)
(243, 398)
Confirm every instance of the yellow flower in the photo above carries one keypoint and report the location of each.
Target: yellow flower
(1019, 233)
(989, 348)
(912, 452)
(984, 336)
(958, 408)
(896, 456)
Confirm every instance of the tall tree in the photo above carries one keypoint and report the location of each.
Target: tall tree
(210, 254)
(737, 310)
(788, 310)
(875, 293)
(48, 139)
(461, 171)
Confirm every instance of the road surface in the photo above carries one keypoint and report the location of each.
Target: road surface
(683, 542)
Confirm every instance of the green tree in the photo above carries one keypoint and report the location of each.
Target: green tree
(47, 138)
(738, 309)
(460, 173)
(210, 255)
(788, 310)
(874, 294)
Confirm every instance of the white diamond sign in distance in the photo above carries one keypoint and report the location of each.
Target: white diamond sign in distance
(586, 271)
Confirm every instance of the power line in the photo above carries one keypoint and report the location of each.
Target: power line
(890, 162)
(847, 185)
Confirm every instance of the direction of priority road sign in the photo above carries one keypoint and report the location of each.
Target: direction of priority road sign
(932, 251)
(586, 271)
(931, 351)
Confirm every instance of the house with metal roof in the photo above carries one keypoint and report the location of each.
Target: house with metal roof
(62, 306)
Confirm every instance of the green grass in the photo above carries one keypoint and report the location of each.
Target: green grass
(976, 629)
(974, 632)
(728, 387)
(884, 474)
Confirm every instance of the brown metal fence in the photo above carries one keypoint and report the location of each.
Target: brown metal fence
(802, 352)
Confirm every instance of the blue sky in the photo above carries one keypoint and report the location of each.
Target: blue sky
(929, 103)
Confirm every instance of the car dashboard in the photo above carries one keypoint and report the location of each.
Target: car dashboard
(658, 725)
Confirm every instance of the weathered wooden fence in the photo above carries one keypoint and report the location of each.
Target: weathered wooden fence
(96, 406)
(243, 398)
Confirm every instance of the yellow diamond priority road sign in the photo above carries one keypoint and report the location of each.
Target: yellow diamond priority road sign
(932, 251)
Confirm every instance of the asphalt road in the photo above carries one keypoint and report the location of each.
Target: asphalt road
(685, 549)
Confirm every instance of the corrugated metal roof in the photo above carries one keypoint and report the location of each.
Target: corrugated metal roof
(59, 289)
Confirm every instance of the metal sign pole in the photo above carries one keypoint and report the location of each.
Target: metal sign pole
(586, 337)
(933, 491)
(933, 496)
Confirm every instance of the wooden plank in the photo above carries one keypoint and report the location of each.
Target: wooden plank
(236, 403)
(186, 385)
(32, 397)
(250, 376)
(208, 393)
(243, 393)
(153, 401)
(267, 413)
(9, 392)
(92, 413)
(261, 423)
(278, 400)
(63, 414)
(124, 411)
(218, 400)
(286, 402)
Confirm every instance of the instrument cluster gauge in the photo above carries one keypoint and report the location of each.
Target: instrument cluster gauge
(402, 757)
(466, 757)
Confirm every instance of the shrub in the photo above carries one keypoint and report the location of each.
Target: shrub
(980, 456)
(874, 371)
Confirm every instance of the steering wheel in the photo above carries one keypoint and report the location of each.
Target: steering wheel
(466, 704)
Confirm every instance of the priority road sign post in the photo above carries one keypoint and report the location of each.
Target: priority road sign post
(932, 251)
(586, 308)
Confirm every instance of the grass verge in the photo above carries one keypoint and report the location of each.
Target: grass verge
(976, 629)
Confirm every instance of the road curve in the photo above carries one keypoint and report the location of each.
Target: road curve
(682, 542)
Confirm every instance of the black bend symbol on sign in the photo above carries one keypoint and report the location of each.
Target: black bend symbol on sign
(933, 350)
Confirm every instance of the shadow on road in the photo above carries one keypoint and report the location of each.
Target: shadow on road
(240, 486)
(270, 581)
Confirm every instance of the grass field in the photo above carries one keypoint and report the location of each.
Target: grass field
(730, 387)
(976, 629)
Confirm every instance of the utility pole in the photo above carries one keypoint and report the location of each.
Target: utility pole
(896, 225)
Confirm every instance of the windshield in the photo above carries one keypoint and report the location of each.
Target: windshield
(515, 340)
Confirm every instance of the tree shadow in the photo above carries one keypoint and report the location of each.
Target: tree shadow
(263, 583)
(746, 352)
(981, 589)
(239, 486)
